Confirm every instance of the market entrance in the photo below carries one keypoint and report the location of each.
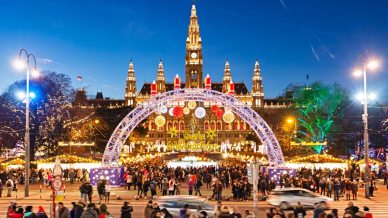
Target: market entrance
(156, 102)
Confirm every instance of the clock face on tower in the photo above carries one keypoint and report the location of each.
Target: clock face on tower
(193, 55)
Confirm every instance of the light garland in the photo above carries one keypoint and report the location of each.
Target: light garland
(191, 105)
(160, 121)
(200, 112)
(228, 117)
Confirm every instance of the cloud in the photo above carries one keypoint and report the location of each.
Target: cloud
(283, 4)
(314, 52)
(45, 61)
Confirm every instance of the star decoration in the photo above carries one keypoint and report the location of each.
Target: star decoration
(173, 132)
(211, 134)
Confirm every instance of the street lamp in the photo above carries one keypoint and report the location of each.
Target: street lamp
(371, 65)
(20, 64)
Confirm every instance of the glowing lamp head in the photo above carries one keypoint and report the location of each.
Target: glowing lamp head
(290, 120)
(19, 64)
(32, 95)
(372, 96)
(357, 73)
(21, 95)
(373, 64)
(35, 73)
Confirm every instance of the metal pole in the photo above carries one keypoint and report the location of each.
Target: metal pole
(255, 183)
(366, 137)
(27, 136)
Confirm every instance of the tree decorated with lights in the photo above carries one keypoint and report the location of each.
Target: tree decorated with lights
(49, 110)
(316, 106)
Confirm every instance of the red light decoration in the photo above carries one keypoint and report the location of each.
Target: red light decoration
(231, 88)
(153, 88)
(178, 111)
(177, 82)
(208, 82)
(214, 108)
(219, 113)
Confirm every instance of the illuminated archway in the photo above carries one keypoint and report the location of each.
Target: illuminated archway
(141, 112)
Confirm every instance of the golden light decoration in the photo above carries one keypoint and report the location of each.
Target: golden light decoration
(211, 134)
(186, 110)
(160, 121)
(191, 105)
(228, 117)
(173, 132)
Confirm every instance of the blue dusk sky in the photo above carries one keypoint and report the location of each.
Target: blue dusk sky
(290, 38)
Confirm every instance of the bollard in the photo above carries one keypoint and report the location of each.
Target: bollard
(40, 191)
(64, 191)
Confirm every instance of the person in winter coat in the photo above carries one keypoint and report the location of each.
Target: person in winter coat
(126, 210)
(63, 212)
(1, 188)
(17, 213)
(103, 213)
(90, 212)
(79, 209)
(41, 213)
(299, 211)
(148, 210)
(29, 213)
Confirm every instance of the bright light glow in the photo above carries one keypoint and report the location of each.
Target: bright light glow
(21, 95)
(373, 64)
(19, 64)
(35, 73)
(32, 95)
(357, 73)
(290, 120)
(372, 96)
(360, 96)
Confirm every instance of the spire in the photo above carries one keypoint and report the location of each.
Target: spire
(227, 76)
(131, 71)
(193, 38)
(160, 71)
(256, 71)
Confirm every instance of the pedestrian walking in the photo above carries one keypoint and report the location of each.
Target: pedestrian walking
(126, 210)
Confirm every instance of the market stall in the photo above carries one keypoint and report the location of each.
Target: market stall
(323, 161)
(12, 163)
(69, 161)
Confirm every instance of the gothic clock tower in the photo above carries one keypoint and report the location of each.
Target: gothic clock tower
(194, 53)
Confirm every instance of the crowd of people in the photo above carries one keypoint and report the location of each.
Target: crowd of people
(78, 210)
(153, 177)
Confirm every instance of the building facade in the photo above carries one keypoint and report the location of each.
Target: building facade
(193, 78)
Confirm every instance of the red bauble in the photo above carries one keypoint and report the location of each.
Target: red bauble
(214, 108)
(177, 111)
(219, 113)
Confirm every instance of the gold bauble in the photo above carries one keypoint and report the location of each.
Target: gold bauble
(228, 117)
(191, 105)
(186, 110)
(160, 121)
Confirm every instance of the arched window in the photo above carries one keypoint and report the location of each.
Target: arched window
(219, 125)
(169, 125)
(176, 125)
(242, 125)
(182, 125)
(235, 125)
(206, 125)
(213, 125)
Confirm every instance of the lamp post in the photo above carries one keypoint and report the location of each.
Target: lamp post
(26, 65)
(291, 120)
(370, 65)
